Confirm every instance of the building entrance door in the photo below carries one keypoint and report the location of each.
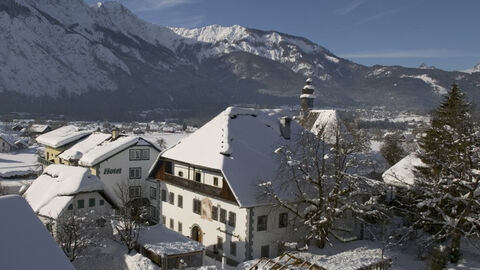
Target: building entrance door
(197, 233)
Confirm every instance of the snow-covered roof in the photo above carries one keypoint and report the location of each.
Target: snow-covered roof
(164, 242)
(326, 120)
(239, 142)
(82, 147)
(110, 148)
(20, 163)
(39, 128)
(26, 244)
(51, 192)
(402, 173)
(8, 138)
(62, 136)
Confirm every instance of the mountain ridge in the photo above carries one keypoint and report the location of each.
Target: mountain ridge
(73, 58)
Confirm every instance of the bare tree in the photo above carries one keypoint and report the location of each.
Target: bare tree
(77, 231)
(321, 184)
(131, 215)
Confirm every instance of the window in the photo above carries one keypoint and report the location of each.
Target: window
(164, 195)
(153, 212)
(91, 202)
(134, 191)
(215, 181)
(262, 223)
(231, 219)
(135, 173)
(214, 213)
(80, 204)
(198, 177)
(139, 154)
(220, 243)
(180, 225)
(180, 173)
(283, 220)
(102, 202)
(233, 248)
(168, 167)
(197, 206)
(223, 215)
(180, 201)
(265, 251)
(70, 207)
(171, 198)
(171, 223)
(153, 193)
(164, 220)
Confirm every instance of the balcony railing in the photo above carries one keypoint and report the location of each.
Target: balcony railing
(222, 193)
(44, 162)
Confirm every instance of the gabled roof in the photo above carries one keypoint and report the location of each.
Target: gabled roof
(39, 128)
(326, 121)
(52, 191)
(240, 143)
(402, 173)
(26, 244)
(109, 148)
(62, 136)
(82, 147)
(9, 138)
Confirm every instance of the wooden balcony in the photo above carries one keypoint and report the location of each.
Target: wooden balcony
(223, 193)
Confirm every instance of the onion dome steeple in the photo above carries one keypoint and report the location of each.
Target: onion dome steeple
(307, 98)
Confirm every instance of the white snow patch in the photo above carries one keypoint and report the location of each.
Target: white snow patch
(332, 59)
(432, 82)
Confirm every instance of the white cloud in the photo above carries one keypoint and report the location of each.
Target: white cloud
(349, 7)
(152, 5)
(429, 53)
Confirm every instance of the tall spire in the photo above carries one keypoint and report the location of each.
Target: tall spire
(306, 98)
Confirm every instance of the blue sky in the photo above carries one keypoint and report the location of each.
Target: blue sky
(443, 33)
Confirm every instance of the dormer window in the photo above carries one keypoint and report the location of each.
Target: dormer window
(198, 177)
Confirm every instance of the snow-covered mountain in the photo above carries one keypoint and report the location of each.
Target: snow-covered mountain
(71, 58)
(475, 69)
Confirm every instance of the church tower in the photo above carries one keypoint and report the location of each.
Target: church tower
(306, 98)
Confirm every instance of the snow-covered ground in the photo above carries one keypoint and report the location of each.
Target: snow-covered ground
(111, 254)
(18, 168)
(346, 256)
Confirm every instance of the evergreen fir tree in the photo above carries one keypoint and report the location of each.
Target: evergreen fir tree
(391, 149)
(447, 191)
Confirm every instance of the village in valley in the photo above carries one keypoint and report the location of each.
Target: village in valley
(235, 193)
(129, 145)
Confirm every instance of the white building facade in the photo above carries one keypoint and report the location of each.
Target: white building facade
(207, 189)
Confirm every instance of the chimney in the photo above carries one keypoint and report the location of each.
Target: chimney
(114, 134)
(285, 127)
